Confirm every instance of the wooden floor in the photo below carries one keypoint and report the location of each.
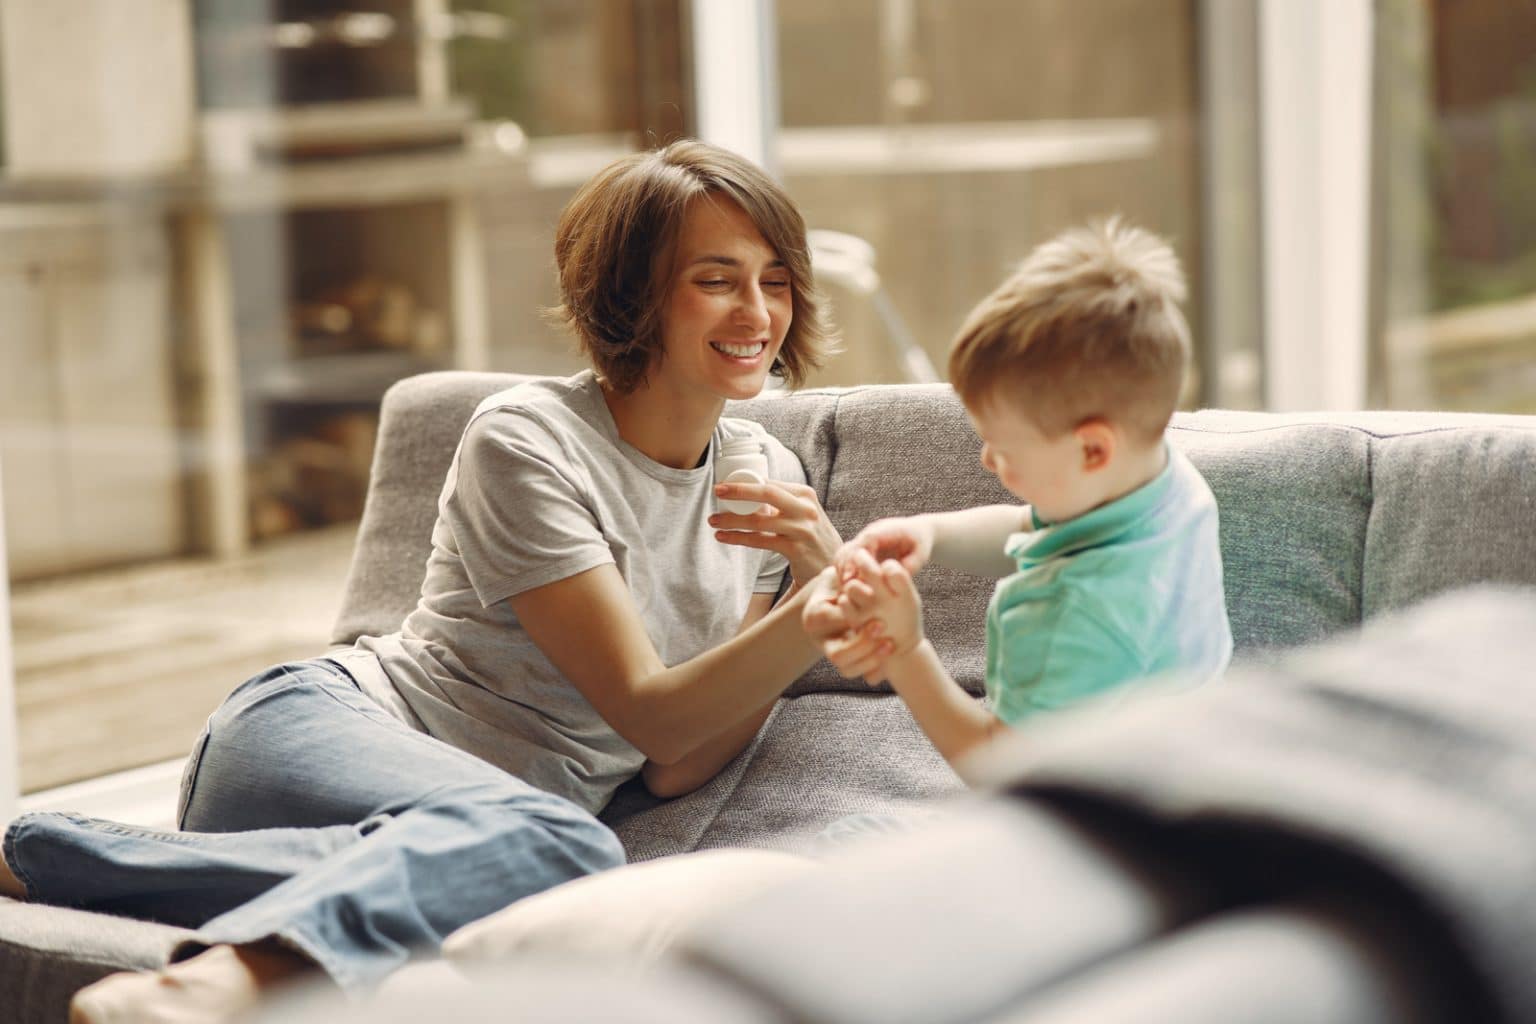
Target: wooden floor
(121, 668)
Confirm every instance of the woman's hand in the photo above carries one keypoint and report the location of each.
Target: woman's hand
(907, 540)
(793, 524)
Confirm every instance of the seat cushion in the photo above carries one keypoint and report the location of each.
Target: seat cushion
(1294, 499)
(633, 913)
(420, 421)
(1454, 505)
(820, 757)
(49, 953)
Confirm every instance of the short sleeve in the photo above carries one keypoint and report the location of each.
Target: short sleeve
(785, 467)
(516, 509)
(1068, 654)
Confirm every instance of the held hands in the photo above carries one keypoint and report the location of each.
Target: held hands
(864, 621)
(792, 523)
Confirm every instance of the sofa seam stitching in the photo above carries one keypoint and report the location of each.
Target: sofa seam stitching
(1356, 429)
(1370, 516)
(751, 756)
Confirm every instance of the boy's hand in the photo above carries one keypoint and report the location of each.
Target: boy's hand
(860, 653)
(853, 648)
(882, 598)
(908, 540)
(884, 591)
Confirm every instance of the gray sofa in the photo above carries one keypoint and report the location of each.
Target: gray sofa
(1326, 522)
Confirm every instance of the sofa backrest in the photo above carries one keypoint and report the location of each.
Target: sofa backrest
(1325, 519)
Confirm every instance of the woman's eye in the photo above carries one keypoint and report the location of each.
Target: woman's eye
(776, 284)
(714, 282)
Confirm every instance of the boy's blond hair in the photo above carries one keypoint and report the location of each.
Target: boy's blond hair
(1088, 326)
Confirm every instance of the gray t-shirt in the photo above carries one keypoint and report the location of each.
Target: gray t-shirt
(541, 488)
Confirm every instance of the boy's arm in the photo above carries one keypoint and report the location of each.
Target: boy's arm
(953, 721)
(971, 539)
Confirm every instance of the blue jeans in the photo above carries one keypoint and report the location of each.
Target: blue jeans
(311, 816)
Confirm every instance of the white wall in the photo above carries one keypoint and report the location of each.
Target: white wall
(735, 77)
(1315, 100)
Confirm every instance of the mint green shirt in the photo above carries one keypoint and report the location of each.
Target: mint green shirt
(1129, 590)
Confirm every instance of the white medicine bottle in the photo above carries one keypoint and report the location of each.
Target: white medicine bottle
(741, 460)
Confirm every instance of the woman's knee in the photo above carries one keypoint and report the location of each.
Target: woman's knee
(566, 839)
(591, 845)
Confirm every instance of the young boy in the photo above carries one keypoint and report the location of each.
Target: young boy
(1069, 372)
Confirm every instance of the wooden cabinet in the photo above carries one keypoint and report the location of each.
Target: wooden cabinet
(88, 415)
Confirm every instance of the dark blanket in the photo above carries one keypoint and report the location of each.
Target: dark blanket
(1397, 765)
(1345, 834)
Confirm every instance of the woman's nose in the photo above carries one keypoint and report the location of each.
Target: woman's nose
(752, 310)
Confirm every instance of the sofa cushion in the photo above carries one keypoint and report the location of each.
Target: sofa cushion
(420, 421)
(818, 758)
(1454, 504)
(49, 953)
(951, 921)
(1294, 499)
(633, 913)
(535, 990)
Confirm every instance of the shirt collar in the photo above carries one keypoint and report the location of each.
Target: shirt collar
(1095, 527)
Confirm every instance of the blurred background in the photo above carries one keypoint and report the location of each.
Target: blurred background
(226, 226)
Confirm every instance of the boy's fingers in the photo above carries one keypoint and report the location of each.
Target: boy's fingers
(862, 566)
(859, 595)
(825, 619)
(870, 632)
(850, 663)
(869, 666)
(856, 646)
(900, 582)
(897, 580)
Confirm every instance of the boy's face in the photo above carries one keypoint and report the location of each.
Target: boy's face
(1051, 473)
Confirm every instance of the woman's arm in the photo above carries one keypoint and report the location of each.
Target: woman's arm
(589, 629)
(687, 775)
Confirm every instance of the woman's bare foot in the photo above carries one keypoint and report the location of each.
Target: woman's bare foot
(10, 885)
(215, 986)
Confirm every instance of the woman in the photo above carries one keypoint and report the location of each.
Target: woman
(344, 812)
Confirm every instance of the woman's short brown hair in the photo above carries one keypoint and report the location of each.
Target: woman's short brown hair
(615, 248)
(1089, 325)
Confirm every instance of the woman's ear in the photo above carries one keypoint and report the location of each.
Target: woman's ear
(1098, 440)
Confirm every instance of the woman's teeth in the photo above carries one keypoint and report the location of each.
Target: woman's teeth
(740, 351)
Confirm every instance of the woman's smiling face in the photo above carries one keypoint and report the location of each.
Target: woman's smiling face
(729, 307)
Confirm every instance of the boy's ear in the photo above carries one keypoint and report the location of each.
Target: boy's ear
(1098, 440)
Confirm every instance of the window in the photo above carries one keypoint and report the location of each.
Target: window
(1455, 272)
(230, 231)
(954, 136)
